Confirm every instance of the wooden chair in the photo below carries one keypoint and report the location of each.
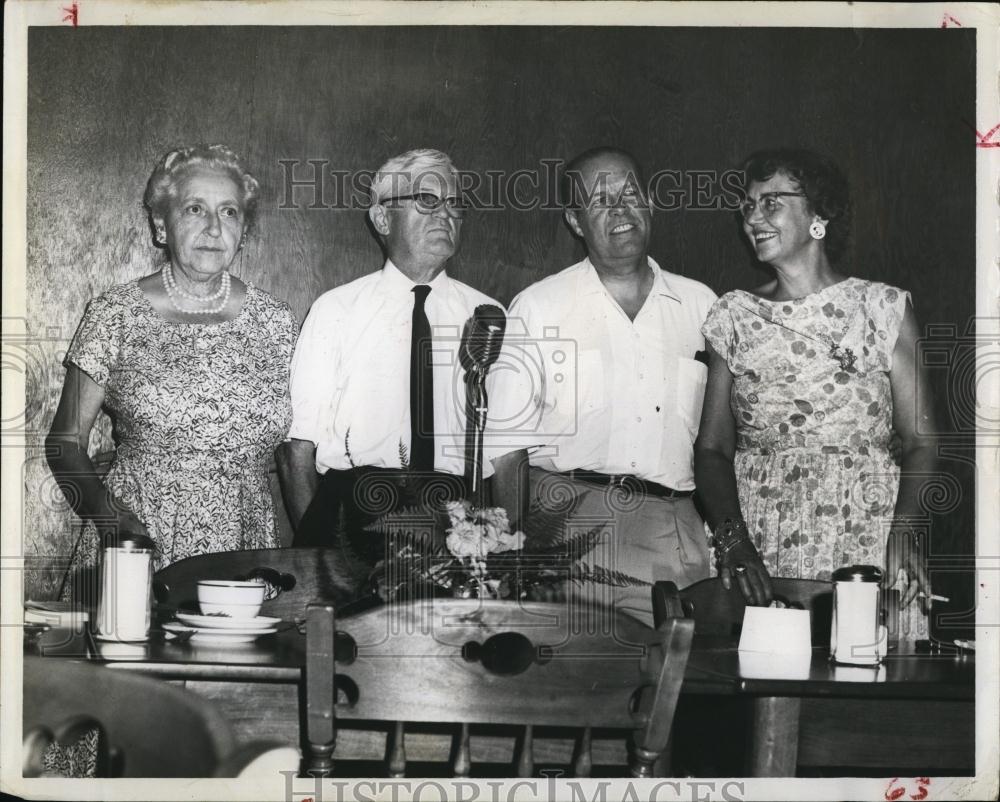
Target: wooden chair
(297, 577)
(717, 611)
(469, 661)
(709, 749)
(145, 726)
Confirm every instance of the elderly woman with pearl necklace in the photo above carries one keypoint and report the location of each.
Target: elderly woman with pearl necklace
(192, 365)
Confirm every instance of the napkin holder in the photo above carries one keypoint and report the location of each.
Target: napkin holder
(776, 643)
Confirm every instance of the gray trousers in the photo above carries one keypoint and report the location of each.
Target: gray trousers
(646, 537)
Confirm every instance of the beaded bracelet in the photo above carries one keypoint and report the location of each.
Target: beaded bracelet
(729, 534)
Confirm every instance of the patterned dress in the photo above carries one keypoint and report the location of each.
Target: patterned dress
(816, 483)
(198, 410)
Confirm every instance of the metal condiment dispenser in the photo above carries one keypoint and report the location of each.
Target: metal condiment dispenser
(857, 636)
(124, 608)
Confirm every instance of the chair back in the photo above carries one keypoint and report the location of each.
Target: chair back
(296, 577)
(146, 727)
(717, 611)
(475, 661)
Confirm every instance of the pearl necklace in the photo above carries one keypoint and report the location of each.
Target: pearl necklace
(174, 293)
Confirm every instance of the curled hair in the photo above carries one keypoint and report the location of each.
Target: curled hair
(161, 189)
(405, 169)
(572, 172)
(824, 185)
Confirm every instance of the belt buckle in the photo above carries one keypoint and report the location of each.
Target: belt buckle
(618, 480)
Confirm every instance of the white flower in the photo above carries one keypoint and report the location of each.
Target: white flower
(510, 541)
(458, 511)
(476, 532)
(465, 540)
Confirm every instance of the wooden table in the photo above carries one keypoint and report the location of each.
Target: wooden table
(917, 710)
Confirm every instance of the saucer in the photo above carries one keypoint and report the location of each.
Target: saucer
(220, 637)
(225, 622)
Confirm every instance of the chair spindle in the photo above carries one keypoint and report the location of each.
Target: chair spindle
(583, 760)
(397, 753)
(526, 757)
(463, 760)
(321, 693)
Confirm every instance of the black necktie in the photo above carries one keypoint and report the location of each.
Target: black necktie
(421, 386)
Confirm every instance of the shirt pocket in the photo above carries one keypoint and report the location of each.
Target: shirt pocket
(692, 376)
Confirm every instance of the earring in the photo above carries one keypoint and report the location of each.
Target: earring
(817, 230)
(161, 236)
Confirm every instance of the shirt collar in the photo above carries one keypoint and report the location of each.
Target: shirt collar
(394, 280)
(591, 282)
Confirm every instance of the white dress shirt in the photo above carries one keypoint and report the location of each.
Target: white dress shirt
(350, 376)
(607, 393)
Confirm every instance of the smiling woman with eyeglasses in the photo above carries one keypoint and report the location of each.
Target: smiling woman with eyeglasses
(809, 375)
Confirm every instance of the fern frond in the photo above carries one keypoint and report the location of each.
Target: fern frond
(403, 519)
(572, 547)
(404, 456)
(581, 572)
(545, 528)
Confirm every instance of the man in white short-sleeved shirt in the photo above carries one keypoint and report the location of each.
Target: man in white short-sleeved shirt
(615, 371)
(351, 373)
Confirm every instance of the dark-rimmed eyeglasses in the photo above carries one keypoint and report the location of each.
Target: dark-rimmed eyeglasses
(769, 203)
(428, 203)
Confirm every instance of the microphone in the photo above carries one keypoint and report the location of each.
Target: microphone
(479, 349)
(483, 339)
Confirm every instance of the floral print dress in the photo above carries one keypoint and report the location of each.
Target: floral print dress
(198, 410)
(816, 483)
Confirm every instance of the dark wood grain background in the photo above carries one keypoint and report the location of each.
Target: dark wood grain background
(894, 107)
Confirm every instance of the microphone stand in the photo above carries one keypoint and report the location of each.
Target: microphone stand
(476, 404)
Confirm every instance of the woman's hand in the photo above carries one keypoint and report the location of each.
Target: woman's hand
(126, 524)
(903, 551)
(743, 562)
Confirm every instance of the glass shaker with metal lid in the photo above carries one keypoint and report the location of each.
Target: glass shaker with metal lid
(857, 636)
(125, 605)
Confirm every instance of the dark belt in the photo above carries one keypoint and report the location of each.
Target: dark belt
(627, 482)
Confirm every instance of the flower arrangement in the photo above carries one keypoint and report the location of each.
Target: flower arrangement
(462, 550)
(456, 548)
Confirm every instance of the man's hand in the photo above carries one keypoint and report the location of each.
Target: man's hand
(743, 562)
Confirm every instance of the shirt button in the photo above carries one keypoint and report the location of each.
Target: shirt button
(638, 419)
(633, 463)
(642, 375)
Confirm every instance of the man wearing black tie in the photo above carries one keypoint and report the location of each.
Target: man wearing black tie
(621, 384)
(376, 379)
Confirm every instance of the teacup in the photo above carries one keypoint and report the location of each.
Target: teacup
(230, 598)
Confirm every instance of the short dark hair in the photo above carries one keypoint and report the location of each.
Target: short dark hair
(573, 169)
(825, 186)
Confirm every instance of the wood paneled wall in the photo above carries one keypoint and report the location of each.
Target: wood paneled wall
(893, 107)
